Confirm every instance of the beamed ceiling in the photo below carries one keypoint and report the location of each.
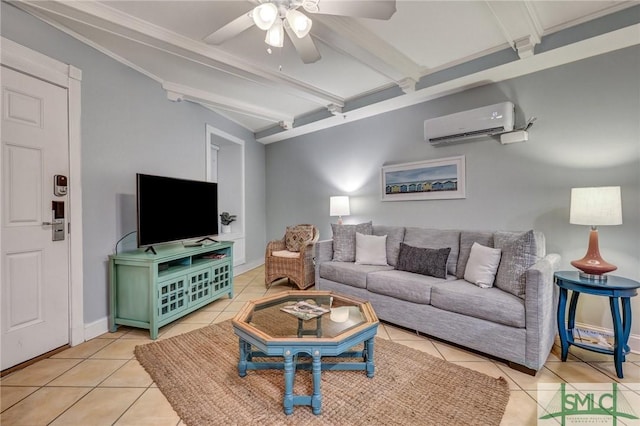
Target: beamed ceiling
(427, 49)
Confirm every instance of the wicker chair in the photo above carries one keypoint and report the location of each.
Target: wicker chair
(297, 267)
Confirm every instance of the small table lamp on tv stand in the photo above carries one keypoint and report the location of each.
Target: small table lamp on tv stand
(595, 206)
(339, 206)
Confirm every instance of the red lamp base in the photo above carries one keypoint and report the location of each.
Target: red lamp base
(592, 265)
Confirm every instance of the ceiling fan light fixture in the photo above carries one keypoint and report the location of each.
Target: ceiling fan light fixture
(311, 6)
(275, 34)
(265, 15)
(299, 23)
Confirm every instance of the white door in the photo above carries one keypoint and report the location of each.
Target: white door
(35, 269)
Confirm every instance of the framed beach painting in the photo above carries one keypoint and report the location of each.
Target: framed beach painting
(424, 180)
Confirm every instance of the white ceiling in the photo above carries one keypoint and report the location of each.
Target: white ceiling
(367, 67)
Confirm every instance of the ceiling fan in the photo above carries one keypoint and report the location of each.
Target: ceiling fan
(279, 16)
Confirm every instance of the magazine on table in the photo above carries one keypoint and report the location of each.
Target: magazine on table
(304, 310)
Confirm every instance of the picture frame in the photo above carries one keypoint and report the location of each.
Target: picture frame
(439, 179)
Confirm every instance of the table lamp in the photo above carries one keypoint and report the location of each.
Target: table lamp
(339, 206)
(595, 206)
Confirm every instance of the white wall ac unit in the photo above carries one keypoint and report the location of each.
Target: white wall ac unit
(485, 121)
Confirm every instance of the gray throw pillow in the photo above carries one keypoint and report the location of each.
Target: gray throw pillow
(520, 251)
(344, 240)
(424, 261)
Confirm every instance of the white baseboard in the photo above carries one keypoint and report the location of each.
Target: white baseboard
(96, 328)
(634, 339)
(245, 267)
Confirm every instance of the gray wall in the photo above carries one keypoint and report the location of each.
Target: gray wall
(587, 134)
(129, 126)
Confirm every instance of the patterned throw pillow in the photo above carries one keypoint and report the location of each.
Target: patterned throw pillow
(520, 251)
(297, 236)
(344, 240)
(424, 261)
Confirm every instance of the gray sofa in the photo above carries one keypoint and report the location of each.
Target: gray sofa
(514, 321)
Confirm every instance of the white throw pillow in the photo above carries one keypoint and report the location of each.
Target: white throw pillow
(371, 249)
(482, 265)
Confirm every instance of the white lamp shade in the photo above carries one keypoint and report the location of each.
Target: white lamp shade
(596, 206)
(299, 23)
(339, 206)
(265, 15)
(275, 34)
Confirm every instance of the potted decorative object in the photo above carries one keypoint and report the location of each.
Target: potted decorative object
(225, 220)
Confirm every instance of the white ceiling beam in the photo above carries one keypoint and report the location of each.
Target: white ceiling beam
(519, 24)
(349, 37)
(111, 20)
(179, 92)
(590, 47)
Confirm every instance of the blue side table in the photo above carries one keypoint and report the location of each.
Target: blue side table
(618, 290)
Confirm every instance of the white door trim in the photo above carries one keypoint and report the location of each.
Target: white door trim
(33, 63)
(239, 252)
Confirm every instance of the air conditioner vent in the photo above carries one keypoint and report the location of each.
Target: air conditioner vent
(480, 122)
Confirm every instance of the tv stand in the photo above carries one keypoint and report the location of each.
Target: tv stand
(202, 240)
(152, 291)
(151, 249)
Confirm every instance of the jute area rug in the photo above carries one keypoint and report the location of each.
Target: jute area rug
(197, 372)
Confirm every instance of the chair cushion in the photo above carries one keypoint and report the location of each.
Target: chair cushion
(297, 236)
(520, 251)
(403, 285)
(424, 261)
(491, 304)
(349, 273)
(371, 249)
(482, 265)
(344, 240)
(286, 253)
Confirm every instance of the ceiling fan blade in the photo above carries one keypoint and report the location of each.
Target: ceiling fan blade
(230, 30)
(305, 46)
(375, 9)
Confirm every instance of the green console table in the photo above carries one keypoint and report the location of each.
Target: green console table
(149, 290)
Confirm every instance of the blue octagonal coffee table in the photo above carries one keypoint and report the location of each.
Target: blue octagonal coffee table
(268, 333)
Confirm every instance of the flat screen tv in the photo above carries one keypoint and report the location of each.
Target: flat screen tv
(171, 209)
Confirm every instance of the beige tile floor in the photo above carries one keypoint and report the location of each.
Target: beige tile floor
(101, 383)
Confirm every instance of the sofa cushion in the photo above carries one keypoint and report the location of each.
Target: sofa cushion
(403, 285)
(482, 265)
(435, 239)
(491, 304)
(349, 273)
(520, 251)
(467, 238)
(424, 261)
(395, 235)
(371, 249)
(297, 236)
(344, 240)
